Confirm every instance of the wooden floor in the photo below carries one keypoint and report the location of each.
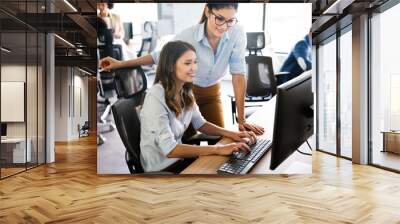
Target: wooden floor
(70, 191)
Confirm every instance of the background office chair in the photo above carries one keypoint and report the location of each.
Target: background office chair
(105, 80)
(83, 131)
(261, 82)
(149, 43)
(128, 32)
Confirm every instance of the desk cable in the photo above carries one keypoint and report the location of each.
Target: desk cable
(304, 153)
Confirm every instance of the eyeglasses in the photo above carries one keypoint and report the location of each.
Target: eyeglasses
(220, 20)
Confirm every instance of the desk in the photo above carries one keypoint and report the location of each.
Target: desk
(13, 150)
(297, 163)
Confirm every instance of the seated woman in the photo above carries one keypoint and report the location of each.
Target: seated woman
(169, 107)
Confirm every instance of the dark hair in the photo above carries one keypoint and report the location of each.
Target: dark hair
(166, 73)
(110, 5)
(216, 6)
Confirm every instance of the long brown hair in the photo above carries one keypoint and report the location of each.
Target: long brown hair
(166, 75)
(216, 6)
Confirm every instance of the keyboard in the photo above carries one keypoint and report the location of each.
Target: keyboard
(241, 162)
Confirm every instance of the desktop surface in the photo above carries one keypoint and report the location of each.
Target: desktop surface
(297, 163)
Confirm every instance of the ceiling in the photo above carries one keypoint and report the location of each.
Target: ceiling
(22, 20)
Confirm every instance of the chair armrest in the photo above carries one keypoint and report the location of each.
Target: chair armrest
(197, 138)
(281, 73)
(154, 173)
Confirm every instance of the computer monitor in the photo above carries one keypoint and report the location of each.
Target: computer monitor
(294, 115)
(3, 129)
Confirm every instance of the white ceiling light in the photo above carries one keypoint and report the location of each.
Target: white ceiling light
(337, 7)
(70, 5)
(86, 72)
(65, 41)
(5, 50)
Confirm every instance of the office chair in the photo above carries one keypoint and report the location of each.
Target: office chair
(115, 51)
(126, 115)
(128, 31)
(149, 43)
(261, 82)
(128, 125)
(105, 80)
(83, 130)
(130, 85)
(130, 81)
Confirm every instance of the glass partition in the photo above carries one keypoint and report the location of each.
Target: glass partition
(22, 88)
(346, 93)
(327, 96)
(15, 151)
(385, 89)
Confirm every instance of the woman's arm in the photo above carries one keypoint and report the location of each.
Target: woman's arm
(212, 129)
(109, 63)
(239, 88)
(190, 151)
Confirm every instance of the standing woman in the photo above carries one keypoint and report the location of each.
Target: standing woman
(220, 44)
(112, 20)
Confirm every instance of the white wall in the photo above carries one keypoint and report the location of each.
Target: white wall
(14, 73)
(61, 103)
(70, 84)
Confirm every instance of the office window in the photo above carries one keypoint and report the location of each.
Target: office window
(137, 13)
(285, 25)
(254, 22)
(346, 93)
(385, 89)
(327, 96)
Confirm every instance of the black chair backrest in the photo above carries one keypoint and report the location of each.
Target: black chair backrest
(149, 40)
(125, 112)
(130, 81)
(130, 85)
(86, 125)
(128, 29)
(104, 34)
(255, 41)
(114, 51)
(260, 76)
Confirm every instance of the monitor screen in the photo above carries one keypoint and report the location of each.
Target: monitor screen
(3, 129)
(294, 117)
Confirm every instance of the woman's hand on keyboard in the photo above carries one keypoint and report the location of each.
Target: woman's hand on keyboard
(247, 137)
(232, 147)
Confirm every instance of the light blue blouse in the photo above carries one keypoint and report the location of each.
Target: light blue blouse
(212, 67)
(161, 130)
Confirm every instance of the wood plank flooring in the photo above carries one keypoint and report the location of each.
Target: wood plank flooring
(70, 191)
